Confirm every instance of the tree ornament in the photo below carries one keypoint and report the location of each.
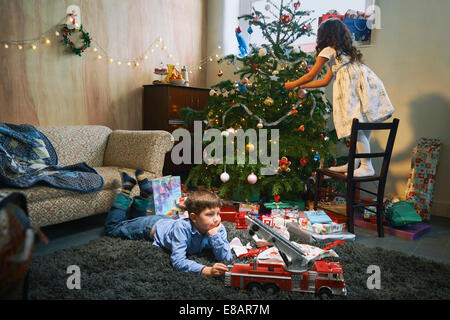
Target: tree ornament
(269, 102)
(250, 30)
(250, 147)
(284, 164)
(297, 5)
(316, 157)
(224, 177)
(293, 112)
(303, 162)
(276, 198)
(301, 128)
(260, 125)
(262, 52)
(302, 93)
(238, 30)
(212, 92)
(66, 33)
(252, 178)
(285, 19)
(220, 73)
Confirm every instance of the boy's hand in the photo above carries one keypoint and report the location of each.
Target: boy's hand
(214, 230)
(216, 270)
(290, 85)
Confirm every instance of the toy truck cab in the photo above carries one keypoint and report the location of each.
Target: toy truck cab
(329, 279)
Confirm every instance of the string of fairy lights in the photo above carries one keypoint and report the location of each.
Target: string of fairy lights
(53, 34)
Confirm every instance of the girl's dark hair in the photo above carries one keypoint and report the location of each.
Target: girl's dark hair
(334, 33)
(198, 201)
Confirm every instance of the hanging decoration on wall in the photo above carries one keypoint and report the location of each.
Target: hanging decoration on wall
(70, 26)
(85, 38)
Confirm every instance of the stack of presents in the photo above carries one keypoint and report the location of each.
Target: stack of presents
(407, 219)
(290, 216)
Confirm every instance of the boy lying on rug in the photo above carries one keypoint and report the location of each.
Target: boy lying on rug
(203, 229)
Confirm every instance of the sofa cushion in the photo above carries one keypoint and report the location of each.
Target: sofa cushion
(75, 144)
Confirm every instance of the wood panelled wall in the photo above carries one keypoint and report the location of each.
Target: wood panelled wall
(50, 86)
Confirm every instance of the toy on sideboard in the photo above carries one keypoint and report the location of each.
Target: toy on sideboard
(325, 278)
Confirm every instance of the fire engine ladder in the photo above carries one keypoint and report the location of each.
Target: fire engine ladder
(293, 256)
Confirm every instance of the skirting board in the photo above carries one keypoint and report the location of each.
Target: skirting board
(441, 209)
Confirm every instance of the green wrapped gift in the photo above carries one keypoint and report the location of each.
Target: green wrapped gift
(299, 204)
(402, 213)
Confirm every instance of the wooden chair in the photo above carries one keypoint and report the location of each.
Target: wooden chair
(353, 183)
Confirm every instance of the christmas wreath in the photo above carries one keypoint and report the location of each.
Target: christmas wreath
(66, 33)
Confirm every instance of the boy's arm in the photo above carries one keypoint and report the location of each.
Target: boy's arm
(220, 245)
(179, 248)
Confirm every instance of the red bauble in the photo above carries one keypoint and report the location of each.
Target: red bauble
(277, 198)
(303, 161)
(238, 30)
(285, 19)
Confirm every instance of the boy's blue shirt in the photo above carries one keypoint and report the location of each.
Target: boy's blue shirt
(182, 238)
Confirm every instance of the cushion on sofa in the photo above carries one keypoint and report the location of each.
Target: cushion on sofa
(75, 144)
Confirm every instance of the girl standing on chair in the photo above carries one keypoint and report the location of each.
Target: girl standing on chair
(357, 91)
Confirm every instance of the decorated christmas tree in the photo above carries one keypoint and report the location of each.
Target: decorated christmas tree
(260, 101)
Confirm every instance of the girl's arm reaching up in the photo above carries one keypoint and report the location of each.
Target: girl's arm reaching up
(320, 62)
(319, 83)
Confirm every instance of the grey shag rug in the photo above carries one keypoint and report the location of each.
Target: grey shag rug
(124, 269)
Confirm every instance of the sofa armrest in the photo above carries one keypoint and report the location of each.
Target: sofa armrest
(144, 150)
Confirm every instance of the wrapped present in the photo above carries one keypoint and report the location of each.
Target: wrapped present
(267, 220)
(228, 213)
(317, 216)
(420, 185)
(299, 205)
(249, 208)
(166, 194)
(321, 228)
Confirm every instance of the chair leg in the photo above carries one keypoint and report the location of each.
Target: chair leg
(380, 226)
(350, 208)
(316, 194)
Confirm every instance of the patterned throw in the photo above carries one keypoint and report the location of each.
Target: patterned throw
(27, 158)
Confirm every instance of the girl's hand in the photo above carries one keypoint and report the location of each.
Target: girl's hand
(290, 85)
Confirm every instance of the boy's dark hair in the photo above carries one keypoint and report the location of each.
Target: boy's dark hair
(334, 33)
(198, 201)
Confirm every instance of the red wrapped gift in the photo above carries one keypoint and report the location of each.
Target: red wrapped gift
(228, 213)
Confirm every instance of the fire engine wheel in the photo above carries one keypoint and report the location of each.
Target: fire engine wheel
(325, 294)
(271, 288)
(254, 287)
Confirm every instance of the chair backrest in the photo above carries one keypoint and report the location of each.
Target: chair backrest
(386, 155)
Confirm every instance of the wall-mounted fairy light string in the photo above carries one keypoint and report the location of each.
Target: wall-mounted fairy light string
(54, 34)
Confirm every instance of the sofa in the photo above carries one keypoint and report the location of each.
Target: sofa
(106, 151)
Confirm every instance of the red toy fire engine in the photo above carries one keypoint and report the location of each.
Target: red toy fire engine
(325, 279)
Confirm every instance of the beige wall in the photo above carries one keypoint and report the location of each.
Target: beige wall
(411, 55)
(52, 87)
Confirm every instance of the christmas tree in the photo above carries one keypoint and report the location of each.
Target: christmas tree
(260, 101)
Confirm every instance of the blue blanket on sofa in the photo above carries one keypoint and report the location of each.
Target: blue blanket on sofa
(27, 158)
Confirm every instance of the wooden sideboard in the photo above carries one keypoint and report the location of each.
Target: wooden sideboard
(161, 105)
